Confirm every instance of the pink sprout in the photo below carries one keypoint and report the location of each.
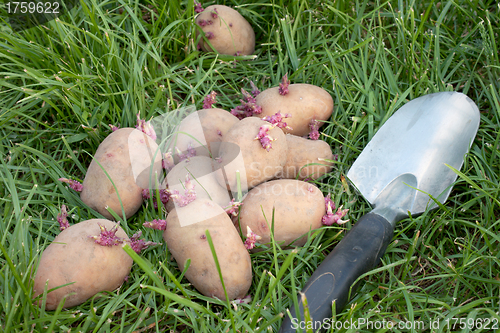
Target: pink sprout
(168, 160)
(107, 238)
(203, 23)
(164, 196)
(252, 238)
(156, 224)
(62, 218)
(314, 126)
(232, 209)
(283, 88)
(189, 186)
(264, 137)
(241, 112)
(329, 204)
(248, 106)
(140, 244)
(209, 100)
(190, 153)
(250, 98)
(197, 7)
(266, 142)
(330, 217)
(145, 194)
(209, 35)
(277, 119)
(73, 184)
(255, 90)
(145, 127)
(214, 13)
(191, 150)
(257, 109)
(189, 194)
(114, 128)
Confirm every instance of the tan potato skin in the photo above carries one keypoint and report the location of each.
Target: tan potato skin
(303, 102)
(202, 176)
(74, 257)
(189, 242)
(298, 208)
(302, 152)
(205, 130)
(122, 152)
(260, 165)
(229, 32)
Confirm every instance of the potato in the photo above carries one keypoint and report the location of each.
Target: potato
(298, 208)
(228, 31)
(203, 130)
(202, 176)
(241, 151)
(304, 102)
(126, 155)
(185, 238)
(301, 153)
(74, 257)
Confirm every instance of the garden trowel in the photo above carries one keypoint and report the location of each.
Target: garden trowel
(407, 167)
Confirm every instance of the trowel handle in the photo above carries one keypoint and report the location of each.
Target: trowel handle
(358, 252)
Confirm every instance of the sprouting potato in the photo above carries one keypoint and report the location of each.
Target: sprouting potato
(74, 257)
(253, 147)
(227, 31)
(126, 155)
(186, 239)
(305, 103)
(298, 208)
(202, 131)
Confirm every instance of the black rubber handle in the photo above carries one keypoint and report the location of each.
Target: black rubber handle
(357, 253)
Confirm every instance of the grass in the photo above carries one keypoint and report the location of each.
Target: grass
(61, 84)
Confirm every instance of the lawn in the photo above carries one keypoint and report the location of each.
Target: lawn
(63, 83)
